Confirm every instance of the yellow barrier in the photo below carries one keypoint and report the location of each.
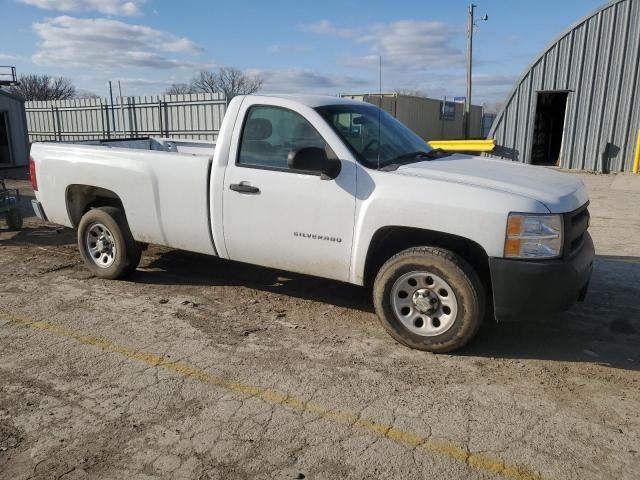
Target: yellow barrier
(636, 163)
(465, 145)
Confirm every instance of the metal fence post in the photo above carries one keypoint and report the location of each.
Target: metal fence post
(166, 119)
(102, 118)
(160, 117)
(106, 120)
(59, 124)
(133, 119)
(122, 122)
(53, 122)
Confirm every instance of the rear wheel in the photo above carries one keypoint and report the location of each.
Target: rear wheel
(14, 219)
(429, 299)
(106, 244)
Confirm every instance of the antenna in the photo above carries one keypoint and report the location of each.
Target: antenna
(380, 78)
(379, 107)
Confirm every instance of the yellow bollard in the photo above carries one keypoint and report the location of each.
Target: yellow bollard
(636, 163)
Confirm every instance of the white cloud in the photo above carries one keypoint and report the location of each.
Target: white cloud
(300, 81)
(494, 80)
(100, 43)
(7, 56)
(416, 55)
(282, 48)
(135, 85)
(325, 27)
(413, 45)
(492, 88)
(487, 87)
(110, 7)
(144, 86)
(146, 82)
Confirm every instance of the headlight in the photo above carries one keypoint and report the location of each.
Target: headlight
(533, 236)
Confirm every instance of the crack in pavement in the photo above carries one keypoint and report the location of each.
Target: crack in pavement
(482, 462)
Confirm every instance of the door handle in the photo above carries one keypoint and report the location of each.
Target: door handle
(242, 187)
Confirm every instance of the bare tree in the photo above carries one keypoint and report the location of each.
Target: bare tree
(43, 87)
(229, 80)
(179, 88)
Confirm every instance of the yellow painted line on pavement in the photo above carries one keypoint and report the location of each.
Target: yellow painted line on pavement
(481, 462)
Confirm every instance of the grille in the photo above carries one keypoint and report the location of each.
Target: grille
(576, 224)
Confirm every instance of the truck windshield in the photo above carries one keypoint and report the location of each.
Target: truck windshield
(376, 138)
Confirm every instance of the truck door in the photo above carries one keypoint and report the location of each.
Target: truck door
(278, 217)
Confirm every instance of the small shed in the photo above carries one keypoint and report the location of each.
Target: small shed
(14, 140)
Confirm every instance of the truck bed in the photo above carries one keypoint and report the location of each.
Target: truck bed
(163, 185)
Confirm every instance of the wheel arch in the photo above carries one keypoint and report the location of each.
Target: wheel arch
(81, 198)
(390, 240)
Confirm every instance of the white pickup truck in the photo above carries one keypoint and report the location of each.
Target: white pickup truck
(336, 189)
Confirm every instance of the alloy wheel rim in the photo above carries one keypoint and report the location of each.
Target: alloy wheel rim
(424, 303)
(101, 245)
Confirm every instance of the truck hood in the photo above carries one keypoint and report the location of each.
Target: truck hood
(559, 192)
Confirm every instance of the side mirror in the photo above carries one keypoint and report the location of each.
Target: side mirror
(314, 159)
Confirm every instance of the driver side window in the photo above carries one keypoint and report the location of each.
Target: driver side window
(270, 133)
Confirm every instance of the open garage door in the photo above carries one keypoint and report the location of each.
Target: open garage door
(551, 108)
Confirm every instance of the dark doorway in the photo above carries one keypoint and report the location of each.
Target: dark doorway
(5, 146)
(548, 128)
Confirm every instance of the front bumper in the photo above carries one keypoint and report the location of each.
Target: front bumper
(524, 288)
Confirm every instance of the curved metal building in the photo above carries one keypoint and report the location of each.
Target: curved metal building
(578, 104)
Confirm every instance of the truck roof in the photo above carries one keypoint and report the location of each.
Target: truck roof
(314, 101)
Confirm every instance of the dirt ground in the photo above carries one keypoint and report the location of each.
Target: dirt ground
(197, 368)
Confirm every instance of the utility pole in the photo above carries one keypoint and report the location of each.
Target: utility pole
(467, 100)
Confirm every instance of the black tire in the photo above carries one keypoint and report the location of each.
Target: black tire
(14, 219)
(127, 251)
(461, 278)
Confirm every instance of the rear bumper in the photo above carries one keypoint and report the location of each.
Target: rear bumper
(523, 289)
(39, 211)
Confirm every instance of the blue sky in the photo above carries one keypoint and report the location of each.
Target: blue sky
(295, 46)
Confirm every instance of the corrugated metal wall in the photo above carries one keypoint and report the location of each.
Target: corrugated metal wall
(598, 62)
(422, 115)
(192, 116)
(17, 152)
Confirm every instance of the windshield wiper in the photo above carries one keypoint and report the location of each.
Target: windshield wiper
(418, 154)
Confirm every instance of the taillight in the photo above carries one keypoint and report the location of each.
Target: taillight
(32, 174)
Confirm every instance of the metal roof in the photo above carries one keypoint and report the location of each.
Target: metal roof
(596, 60)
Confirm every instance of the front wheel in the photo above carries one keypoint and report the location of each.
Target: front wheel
(429, 299)
(106, 244)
